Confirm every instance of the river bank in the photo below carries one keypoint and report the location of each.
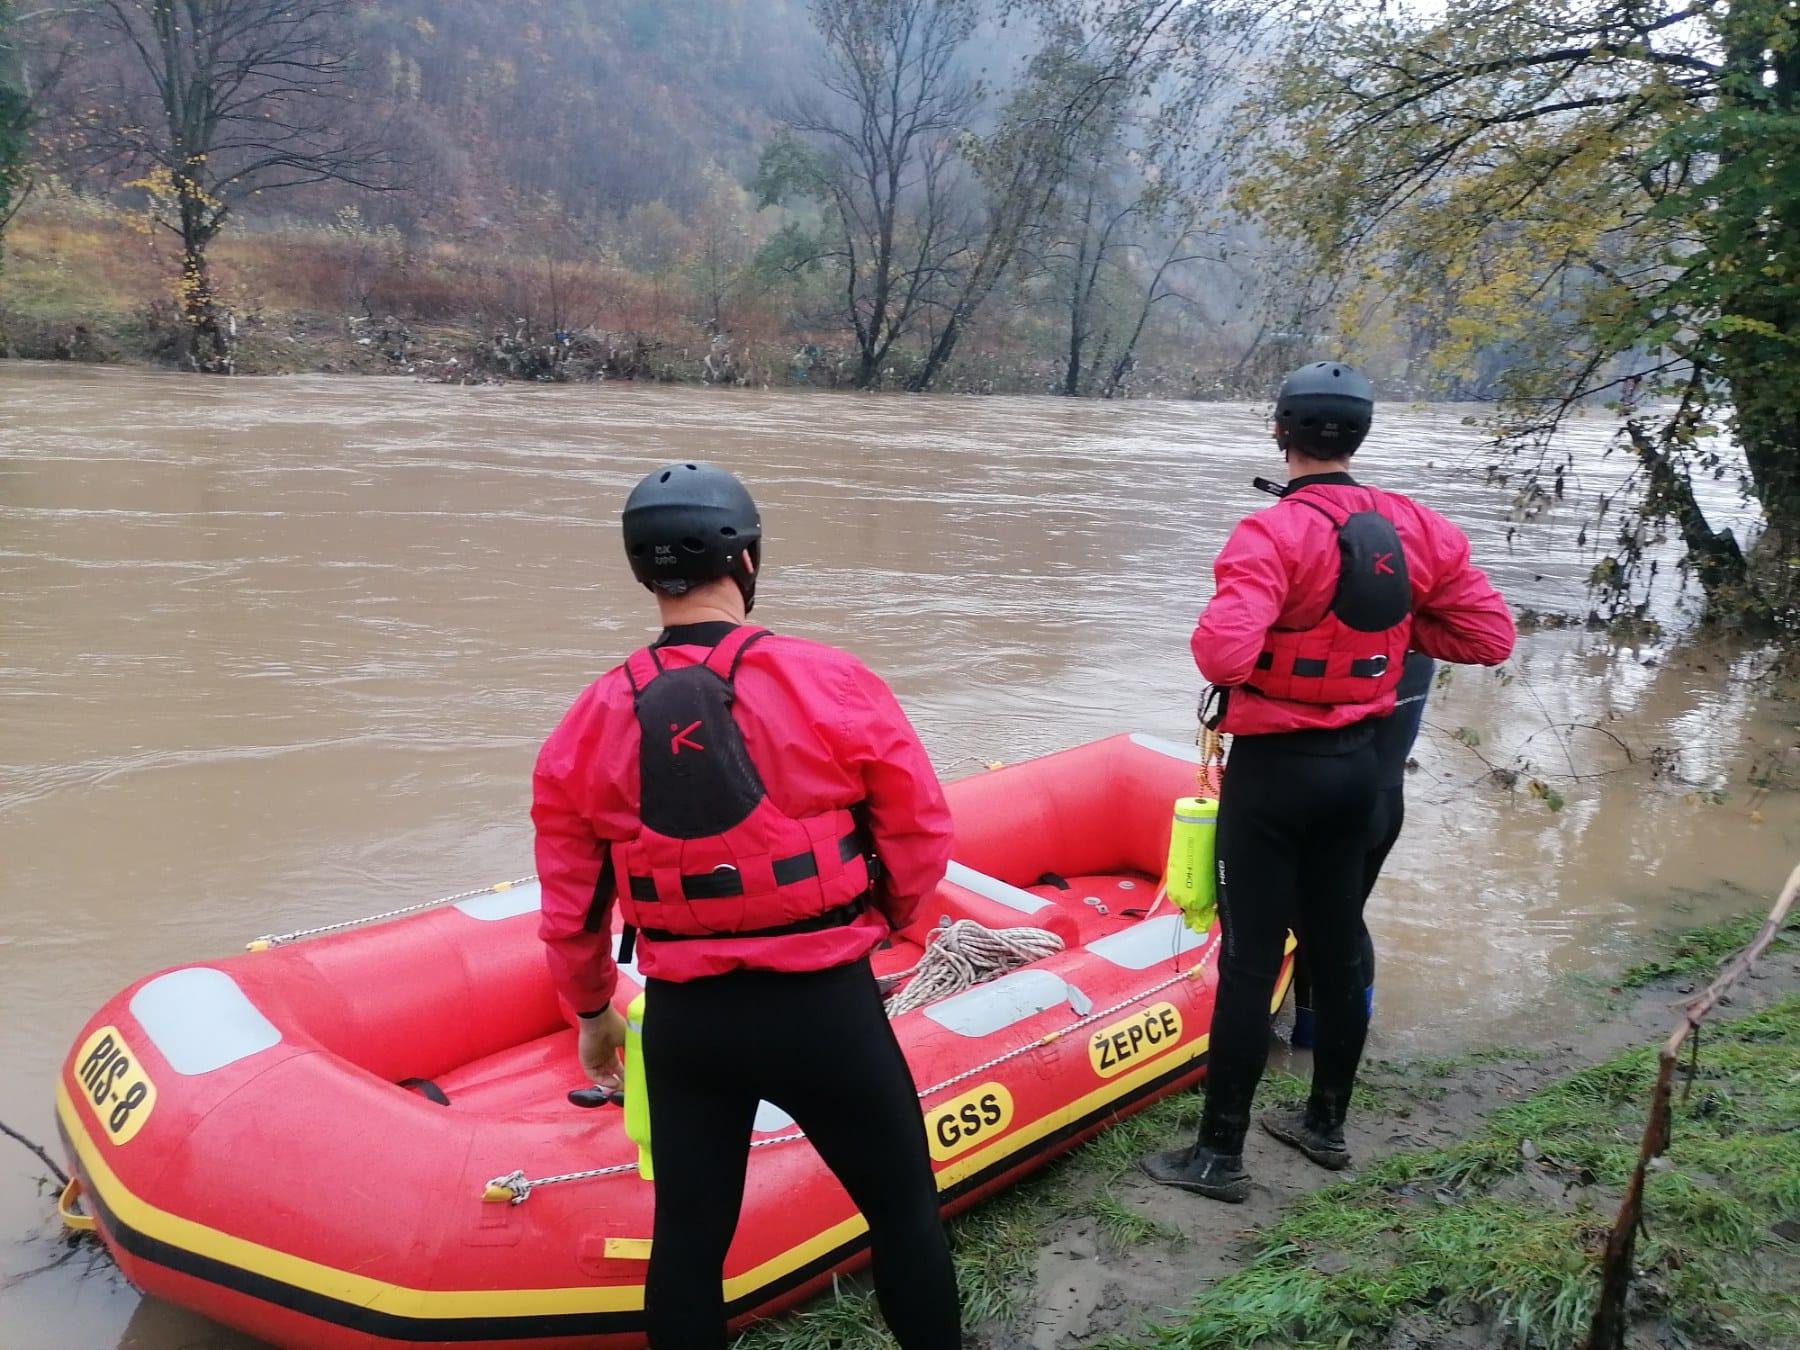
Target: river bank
(83, 281)
(1484, 1185)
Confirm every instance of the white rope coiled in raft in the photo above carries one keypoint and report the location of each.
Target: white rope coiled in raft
(962, 955)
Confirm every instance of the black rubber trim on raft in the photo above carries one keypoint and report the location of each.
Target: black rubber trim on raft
(396, 1327)
(324, 1308)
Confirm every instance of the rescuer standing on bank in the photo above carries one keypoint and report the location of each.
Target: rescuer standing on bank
(1394, 737)
(763, 814)
(1317, 601)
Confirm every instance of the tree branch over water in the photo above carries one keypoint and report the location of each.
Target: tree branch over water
(1601, 197)
(62, 1177)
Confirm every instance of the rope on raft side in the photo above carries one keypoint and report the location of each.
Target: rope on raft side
(515, 1188)
(959, 956)
(964, 954)
(269, 940)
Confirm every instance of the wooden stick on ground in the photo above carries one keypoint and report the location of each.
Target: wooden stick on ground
(1608, 1330)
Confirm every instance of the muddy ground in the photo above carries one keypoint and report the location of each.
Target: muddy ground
(1090, 1286)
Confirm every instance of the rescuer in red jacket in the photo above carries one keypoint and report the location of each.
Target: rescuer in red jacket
(762, 813)
(1317, 601)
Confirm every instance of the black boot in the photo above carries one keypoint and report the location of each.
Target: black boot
(1315, 1130)
(1203, 1170)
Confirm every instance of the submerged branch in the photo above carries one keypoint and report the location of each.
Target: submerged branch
(62, 1177)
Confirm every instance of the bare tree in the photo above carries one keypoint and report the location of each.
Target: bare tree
(720, 255)
(1091, 238)
(15, 122)
(223, 100)
(1106, 257)
(34, 55)
(1082, 259)
(1156, 289)
(878, 153)
(1091, 62)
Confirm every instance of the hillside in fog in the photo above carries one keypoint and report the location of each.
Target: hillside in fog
(601, 104)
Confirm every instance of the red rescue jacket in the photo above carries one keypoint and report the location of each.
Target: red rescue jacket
(1278, 573)
(824, 734)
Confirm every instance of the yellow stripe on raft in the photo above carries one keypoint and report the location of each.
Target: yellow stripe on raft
(328, 1281)
(404, 1301)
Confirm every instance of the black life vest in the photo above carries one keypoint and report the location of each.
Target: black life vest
(714, 856)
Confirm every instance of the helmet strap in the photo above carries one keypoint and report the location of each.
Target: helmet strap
(746, 584)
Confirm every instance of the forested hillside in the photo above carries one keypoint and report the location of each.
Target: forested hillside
(555, 189)
(603, 107)
(599, 106)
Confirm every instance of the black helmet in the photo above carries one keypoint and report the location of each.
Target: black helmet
(1324, 410)
(692, 523)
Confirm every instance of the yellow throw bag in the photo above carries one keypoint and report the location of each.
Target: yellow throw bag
(1192, 880)
(637, 1093)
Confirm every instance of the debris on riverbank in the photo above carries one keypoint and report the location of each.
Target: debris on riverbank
(1477, 1218)
(81, 284)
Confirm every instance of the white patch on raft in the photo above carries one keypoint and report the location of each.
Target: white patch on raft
(1162, 746)
(1147, 942)
(992, 888)
(999, 1004)
(200, 1020)
(770, 1117)
(526, 898)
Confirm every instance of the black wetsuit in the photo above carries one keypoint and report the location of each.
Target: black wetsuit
(1305, 820)
(819, 1046)
(1394, 738)
(1295, 816)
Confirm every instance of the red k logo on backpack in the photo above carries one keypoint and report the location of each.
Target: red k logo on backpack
(1384, 564)
(683, 736)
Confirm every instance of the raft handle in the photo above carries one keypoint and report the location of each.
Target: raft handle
(73, 1219)
(424, 1087)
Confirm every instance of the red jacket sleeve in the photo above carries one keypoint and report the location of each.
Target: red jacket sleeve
(576, 921)
(907, 813)
(1250, 586)
(1463, 618)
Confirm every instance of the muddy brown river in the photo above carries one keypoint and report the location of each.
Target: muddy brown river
(275, 653)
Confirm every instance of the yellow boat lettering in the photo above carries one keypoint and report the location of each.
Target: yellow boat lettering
(1115, 1048)
(107, 1074)
(973, 1118)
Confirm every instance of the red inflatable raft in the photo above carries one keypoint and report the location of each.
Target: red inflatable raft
(302, 1141)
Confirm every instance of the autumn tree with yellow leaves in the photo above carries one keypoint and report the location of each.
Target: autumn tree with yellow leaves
(217, 102)
(1606, 192)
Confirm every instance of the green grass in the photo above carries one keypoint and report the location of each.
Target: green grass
(1698, 952)
(1432, 1232)
(1122, 1227)
(1427, 1233)
(1448, 1066)
(848, 1320)
(996, 1245)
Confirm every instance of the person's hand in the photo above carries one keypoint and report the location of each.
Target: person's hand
(602, 1042)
